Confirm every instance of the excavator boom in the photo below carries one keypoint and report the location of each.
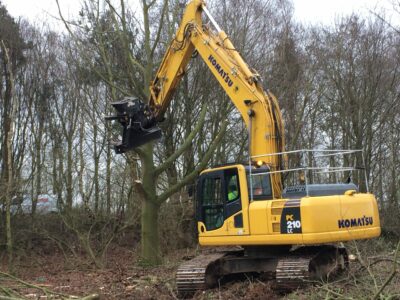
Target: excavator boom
(259, 109)
(247, 205)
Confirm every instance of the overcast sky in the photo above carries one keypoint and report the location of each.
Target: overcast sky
(308, 11)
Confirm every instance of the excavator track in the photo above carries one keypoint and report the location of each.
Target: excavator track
(292, 273)
(297, 271)
(193, 276)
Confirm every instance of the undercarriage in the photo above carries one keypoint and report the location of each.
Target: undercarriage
(290, 268)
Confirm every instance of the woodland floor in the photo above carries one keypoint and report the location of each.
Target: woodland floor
(122, 279)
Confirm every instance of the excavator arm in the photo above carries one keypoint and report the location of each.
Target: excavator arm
(227, 211)
(242, 85)
(259, 108)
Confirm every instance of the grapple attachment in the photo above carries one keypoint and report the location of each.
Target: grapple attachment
(138, 121)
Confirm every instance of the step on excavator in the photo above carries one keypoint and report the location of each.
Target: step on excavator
(292, 235)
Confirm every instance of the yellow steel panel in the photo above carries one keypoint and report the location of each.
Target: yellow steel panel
(292, 239)
(259, 223)
(324, 220)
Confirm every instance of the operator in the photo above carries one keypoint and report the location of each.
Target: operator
(232, 192)
(257, 189)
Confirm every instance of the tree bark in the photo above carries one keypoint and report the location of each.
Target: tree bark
(8, 159)
(150, 249)
(69, 175)
(108, 173)
(96, 157)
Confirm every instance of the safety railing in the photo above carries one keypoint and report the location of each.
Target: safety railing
(310, 166)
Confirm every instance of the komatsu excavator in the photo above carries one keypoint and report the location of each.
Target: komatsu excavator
(290, 234)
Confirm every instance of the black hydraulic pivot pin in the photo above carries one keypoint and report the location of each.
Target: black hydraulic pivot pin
(139, 124)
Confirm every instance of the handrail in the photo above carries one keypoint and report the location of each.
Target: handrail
(337, 151)
(318, 169)
(334, 169)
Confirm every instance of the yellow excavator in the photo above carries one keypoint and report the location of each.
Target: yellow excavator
(290, 234)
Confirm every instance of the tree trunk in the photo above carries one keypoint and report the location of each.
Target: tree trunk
(69, 175)
(108, 174)
(9, 193)
(9, 109)
(96, 171)
(150, 252)
(38, 150)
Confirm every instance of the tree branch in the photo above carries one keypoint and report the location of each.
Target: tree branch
(64, 20)
(160, 26)
(186, 144)
(384, 21)
(389, 279)
(122, 35)
(37, 287)
(163, 197)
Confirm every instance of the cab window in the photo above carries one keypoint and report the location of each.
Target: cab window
(232, 191)
(260, 185)
(232, 181)
(213, 205)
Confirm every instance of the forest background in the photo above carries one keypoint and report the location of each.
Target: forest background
(338, 87)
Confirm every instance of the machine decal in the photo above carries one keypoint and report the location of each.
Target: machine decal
(221, 71)
(291, 217)
(364, 221)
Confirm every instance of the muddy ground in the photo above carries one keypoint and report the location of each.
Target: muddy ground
(121, 278)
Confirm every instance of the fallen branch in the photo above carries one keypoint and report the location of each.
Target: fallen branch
(90, 297)
(8, 293)
(365, 265)
(9, 298)
(389, 260)
(389, 279)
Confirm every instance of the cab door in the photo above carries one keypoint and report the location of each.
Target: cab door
(219, 203)
(210, 201)
(233, 202)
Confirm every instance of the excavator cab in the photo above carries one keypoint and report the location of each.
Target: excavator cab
(223, 196)
(138, 122)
